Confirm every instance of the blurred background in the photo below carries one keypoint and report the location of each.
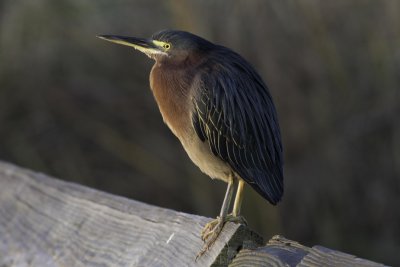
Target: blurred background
(80, 109)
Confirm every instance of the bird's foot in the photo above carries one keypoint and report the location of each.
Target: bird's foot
(211, 230)
(210, 233)
(236, 219)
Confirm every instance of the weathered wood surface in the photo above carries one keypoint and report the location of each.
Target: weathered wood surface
(280, 251)
(48, 222)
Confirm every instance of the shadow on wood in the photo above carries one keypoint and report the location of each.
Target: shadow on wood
(48, 222)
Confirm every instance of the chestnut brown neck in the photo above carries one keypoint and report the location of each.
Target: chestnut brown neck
(170, 85)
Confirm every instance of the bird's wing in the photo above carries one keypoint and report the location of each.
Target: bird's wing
(234, 113)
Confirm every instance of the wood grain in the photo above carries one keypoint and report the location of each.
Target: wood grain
(280, 252)
(48, 222)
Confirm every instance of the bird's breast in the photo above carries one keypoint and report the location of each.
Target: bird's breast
(171, 93)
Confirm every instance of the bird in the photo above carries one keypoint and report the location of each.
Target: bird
(221, 110)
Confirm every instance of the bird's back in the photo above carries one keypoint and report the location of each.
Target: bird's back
(234, 113)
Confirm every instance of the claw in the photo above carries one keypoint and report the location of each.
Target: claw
(212, 233)
(212, 229)
(236, 219)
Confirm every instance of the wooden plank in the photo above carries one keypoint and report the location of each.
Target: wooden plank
(280, 252)
(48, 222)
(329, 257)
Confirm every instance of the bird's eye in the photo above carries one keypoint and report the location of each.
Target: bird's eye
(166, 46)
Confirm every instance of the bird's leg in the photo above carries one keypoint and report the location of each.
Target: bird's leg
(235, 215)
(213, 228)
(238, 199)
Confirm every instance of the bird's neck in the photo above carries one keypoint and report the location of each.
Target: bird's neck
(170, 86)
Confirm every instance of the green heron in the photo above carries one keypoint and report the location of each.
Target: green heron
(220, 109)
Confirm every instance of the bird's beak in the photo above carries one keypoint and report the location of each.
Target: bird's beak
(147, 46)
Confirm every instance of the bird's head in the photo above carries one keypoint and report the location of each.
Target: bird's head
(165, 45)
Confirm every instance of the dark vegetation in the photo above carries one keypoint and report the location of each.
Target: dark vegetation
(80, 109)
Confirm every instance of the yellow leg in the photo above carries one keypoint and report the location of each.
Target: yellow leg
(215, 226)
(228, 197)
(212, 229)
(238, 199)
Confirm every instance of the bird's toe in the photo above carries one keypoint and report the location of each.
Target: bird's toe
(210, 233)
(236, 219)
(211, 227)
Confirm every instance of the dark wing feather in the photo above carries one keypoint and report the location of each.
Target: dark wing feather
(234, 113)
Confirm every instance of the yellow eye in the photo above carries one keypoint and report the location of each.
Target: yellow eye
(166, 46)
